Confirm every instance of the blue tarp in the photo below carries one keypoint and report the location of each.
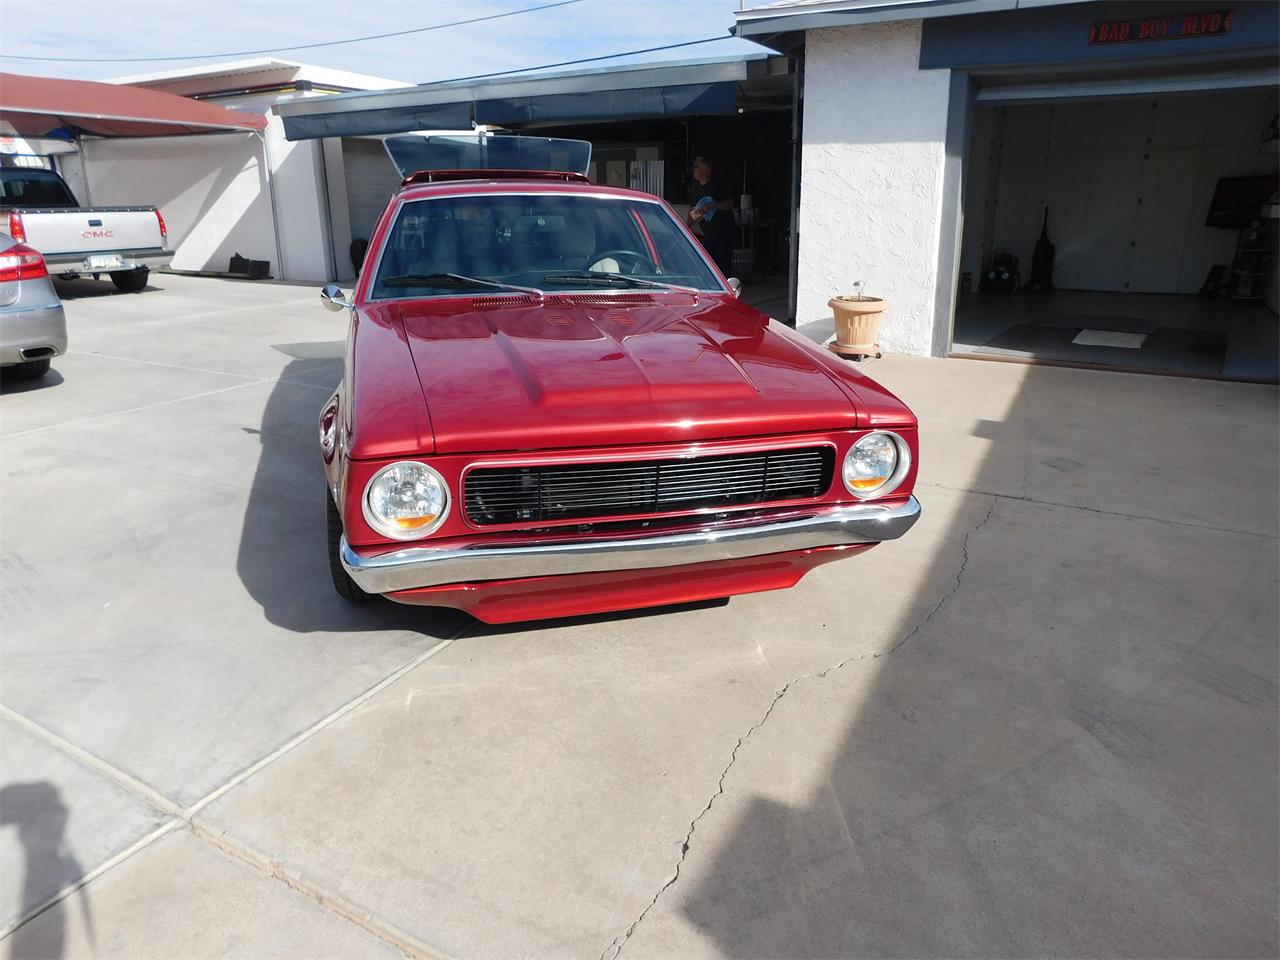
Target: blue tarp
(646, 102)
(443, 116)
(675, 101)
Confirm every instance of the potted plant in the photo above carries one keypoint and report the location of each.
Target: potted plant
(857, 323)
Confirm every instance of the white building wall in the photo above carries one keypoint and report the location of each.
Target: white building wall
(210, 189)
(213, 192)
(875, 125)
(300, 205)
(213, 189)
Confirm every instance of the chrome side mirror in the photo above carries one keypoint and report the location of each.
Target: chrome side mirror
(736, 286)
(333, 297)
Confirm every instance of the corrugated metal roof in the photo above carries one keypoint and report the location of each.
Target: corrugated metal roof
(36, 106)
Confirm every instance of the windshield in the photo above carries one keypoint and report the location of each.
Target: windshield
(483, 151)
(550, 242)
(33, 188)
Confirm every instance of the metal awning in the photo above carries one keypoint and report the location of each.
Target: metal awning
(691, 88)
(38, 106)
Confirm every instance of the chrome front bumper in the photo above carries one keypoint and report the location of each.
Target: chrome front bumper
(416, 567)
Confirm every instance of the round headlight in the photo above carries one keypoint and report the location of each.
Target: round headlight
(875, 465)
(406, 500)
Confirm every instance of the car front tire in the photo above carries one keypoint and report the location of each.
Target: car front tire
(131, 281)
(347, 588)
(30, 370)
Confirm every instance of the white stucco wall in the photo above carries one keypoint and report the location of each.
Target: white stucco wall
(871, 177)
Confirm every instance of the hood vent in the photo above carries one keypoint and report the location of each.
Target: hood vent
(596, 298)
(497, 303)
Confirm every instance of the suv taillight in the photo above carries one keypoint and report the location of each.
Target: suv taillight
(164, 231)
(20, 262)
(16, 229)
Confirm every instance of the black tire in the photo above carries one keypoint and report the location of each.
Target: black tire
(30, 370)
(347, 588)
(131, 281)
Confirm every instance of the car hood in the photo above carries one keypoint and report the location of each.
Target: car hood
(593, 370)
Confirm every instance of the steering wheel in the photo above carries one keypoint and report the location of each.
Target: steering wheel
(638, 262)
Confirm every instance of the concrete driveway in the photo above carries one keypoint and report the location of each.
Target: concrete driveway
(1045, 723)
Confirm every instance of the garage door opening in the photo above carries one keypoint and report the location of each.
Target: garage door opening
(1135, 232)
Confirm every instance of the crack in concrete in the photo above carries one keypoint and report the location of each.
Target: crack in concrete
(955, 587)
(616, 945)
(1171, 521)
(619, 941)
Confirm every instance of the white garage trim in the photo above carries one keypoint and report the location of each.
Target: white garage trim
(1030, 91)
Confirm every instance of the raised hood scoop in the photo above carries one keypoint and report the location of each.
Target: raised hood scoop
(610, 369)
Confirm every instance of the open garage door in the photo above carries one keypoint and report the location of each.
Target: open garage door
(1134, 228)
(371, 181)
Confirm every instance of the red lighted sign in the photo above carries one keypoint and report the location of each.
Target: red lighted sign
(1138, 29)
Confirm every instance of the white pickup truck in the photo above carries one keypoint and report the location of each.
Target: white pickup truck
(42, 212)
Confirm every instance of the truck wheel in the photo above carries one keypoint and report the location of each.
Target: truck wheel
(31, 370)
(130, 281)
(347, 588)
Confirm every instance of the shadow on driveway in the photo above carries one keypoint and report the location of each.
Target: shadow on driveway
(38, 814)
(283, 555)
(1074, 753)
(9, 385)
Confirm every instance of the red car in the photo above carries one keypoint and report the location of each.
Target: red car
(554, 404)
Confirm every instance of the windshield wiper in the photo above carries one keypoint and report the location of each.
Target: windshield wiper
(453, 280)
(613, 279)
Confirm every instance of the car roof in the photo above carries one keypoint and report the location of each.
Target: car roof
(483, 183)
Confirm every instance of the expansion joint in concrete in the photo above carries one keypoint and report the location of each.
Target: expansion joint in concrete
(184, 817)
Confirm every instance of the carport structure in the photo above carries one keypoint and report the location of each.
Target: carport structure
(43, 107)
(645, 122)
(72, 110)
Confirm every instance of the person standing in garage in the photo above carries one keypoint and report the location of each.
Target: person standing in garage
(713, 211)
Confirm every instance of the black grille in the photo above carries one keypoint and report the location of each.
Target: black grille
(520, 494)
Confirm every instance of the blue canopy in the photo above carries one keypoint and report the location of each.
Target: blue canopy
(695, 88)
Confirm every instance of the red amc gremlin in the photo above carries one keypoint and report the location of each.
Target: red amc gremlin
(554, 404)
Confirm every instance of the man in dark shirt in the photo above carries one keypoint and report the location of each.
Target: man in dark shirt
(716, 216)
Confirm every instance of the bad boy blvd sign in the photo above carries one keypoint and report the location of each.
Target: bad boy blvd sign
(1136, 29)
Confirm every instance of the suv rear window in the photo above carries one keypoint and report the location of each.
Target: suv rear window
(33, 188)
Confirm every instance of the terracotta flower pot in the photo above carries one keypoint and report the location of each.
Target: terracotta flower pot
(857, 324)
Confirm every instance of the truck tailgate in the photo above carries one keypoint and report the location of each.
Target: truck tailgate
(79, 233)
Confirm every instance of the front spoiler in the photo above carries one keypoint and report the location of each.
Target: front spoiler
(416, 567)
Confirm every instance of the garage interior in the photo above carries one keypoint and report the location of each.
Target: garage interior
(1161, 211)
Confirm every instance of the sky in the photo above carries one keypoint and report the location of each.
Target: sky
(83, 29)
